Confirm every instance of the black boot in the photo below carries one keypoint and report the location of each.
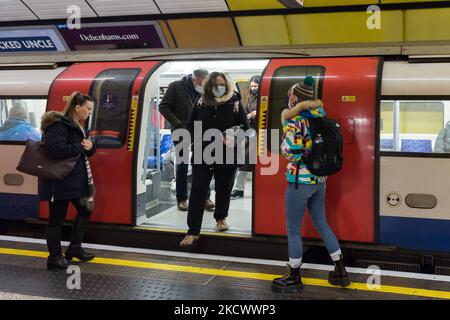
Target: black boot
(56, 260)
(339, 276)
(291, 282)
(75, 250)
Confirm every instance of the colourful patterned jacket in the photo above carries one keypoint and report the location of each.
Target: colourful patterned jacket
(296, 143)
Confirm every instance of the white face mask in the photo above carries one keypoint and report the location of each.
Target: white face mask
(199, 89)
(219, 91)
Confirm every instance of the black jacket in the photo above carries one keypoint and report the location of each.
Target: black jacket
(222, 116)
(177, 103)
(63, 140)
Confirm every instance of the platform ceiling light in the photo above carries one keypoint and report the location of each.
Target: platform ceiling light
(216, 65)
(14, 10)
(10, 66)
(184, 6)
(119, 7)
(292, 3)
(57, 9)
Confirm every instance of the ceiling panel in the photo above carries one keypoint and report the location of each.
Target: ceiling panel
(427, 24)
(344, 27)
(14, 10)
(239, 5)
(407, 1)
(106, 8)
(263, 30)
(57, 9)
(204, 32)
(179, 6)
(325, 3)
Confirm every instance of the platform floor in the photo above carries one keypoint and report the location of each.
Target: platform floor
(140, 274)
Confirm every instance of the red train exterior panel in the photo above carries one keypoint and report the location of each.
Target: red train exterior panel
(112, 168)
(350, 96)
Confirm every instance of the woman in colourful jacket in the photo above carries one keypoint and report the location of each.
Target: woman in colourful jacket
(310, 192)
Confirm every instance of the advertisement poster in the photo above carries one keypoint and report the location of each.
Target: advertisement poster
(101, 36)
(29, 40)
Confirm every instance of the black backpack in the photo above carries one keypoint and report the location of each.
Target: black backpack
(326, 154)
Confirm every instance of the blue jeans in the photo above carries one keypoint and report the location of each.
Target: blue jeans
(313, 197)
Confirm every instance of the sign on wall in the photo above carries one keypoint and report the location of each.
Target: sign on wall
(101, 36)
(27, 39)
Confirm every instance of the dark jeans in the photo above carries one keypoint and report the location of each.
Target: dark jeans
(182, 182)
(201, 178)
(58, 211)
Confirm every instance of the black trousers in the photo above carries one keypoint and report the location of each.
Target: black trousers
(58, 211)
(201, 178)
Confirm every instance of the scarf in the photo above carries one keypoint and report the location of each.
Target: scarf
(88, 202)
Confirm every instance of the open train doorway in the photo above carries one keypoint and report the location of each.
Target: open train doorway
(157, 152)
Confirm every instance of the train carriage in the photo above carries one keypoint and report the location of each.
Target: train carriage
(392, 191)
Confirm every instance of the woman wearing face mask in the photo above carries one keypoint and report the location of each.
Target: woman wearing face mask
(219, 109)
(250, 108)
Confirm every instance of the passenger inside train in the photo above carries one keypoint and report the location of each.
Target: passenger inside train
(17, 126)
(163, 210)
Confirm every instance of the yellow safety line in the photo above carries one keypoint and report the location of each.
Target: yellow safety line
(209, 233)
(239, 274)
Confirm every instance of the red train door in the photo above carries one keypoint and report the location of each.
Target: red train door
(118, 91)
(348, 88)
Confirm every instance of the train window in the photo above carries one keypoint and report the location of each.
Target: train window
(415, 126)
(111, 91)
(282, 80)
(20, 119)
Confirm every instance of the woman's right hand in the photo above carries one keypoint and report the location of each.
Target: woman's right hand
(87, 144)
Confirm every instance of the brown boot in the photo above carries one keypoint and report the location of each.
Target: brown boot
(183, 205)
(209, 205)
(222, 225)
(188, 240)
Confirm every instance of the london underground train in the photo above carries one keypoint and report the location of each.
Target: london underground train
(391, 193)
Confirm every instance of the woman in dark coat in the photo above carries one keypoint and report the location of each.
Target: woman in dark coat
(64, 137)
(219, 111)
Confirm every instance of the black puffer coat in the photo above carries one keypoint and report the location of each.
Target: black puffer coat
(220, 116)
(63, 140)
(177, 103)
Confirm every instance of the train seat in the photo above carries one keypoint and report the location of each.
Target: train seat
(164, 147)
(386, 144)
(416, 145)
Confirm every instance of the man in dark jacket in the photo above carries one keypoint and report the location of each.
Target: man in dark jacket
(176, 106)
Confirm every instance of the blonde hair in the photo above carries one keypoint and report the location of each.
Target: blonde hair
(76, 99)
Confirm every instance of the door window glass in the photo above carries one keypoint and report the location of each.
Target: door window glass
(111, 91)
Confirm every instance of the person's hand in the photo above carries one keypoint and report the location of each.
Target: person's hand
(309, 104)
(312, 104)
(251, 115)
(87, 144)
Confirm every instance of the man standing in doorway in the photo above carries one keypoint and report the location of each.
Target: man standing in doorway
(176, 106)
